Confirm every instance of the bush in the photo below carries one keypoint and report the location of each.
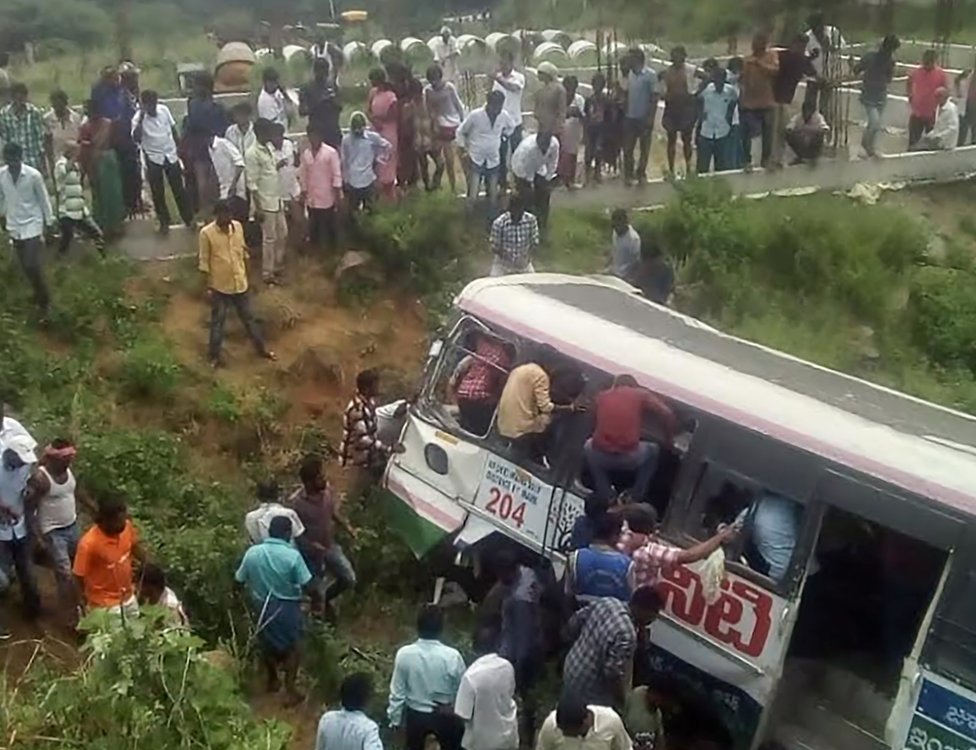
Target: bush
(149, 371)
(942, 314)
(140, 685)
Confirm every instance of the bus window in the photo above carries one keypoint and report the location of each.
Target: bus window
(474, 366)
(770, 523)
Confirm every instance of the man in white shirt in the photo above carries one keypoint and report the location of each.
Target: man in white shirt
(349, 728)
(273, 102)
(10, 428)
(534, 166)
(258, 521)
(480, 136)
(486, 698)
(512, 84)
(805, 134)
(228, 164)
(824, 45)
(25, 212)
(576, 726)
(447, 54)
(16, 464)
(944, 135)
(154, 129)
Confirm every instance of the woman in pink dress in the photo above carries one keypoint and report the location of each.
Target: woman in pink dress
(384, 115)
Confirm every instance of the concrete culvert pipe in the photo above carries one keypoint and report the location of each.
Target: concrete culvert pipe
(377, 48)
(232, 71)
(295, 51)
(470, 43)
(354, 52)
(551, 52)
(582, 50)
(558, 36)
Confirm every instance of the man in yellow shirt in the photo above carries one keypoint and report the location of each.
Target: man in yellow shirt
(223, 260)
(526, 407)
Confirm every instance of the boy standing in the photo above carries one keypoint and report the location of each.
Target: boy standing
(73, 212)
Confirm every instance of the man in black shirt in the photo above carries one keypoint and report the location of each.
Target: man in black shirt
(318, 100)
(794, 66)
(876, 70)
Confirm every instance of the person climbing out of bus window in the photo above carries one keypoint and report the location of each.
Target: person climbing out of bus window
(616, 444)
(599, 569)
(650, 556)
(526, 406)
(600, 663)
(477, 381)
(594, 507)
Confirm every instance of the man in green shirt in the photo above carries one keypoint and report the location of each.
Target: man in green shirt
(642, 718)
(274, 574)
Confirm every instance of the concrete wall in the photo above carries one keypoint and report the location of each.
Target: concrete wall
(926, 166)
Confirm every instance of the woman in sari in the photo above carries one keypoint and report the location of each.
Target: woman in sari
(383, 114)
(101, 166)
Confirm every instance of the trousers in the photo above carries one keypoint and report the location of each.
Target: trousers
(174, 176)
(219, 302)
(274, 231)
(30, 254)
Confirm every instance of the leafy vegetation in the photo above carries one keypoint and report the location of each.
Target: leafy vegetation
(139, 686)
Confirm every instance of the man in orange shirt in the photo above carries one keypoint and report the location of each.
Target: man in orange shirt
(103, 562)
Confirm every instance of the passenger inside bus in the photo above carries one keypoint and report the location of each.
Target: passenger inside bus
(770, 525)
(478, 379)
(616, 446)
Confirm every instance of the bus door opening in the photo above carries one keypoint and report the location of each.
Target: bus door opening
(867, 591)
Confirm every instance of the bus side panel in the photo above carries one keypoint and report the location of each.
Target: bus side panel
(943, 717)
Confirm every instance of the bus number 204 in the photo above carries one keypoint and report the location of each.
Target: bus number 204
(502, 505)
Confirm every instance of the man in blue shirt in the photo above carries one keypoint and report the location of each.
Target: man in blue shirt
(350, 728)
(639, 115)
(426, 677)
(599, 570)
(361, 150)
(718, 100)
(274, 574)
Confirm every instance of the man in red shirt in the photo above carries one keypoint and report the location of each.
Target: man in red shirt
(923, 83)
(616, 444)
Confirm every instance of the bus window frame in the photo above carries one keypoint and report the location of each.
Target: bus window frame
(689, 521)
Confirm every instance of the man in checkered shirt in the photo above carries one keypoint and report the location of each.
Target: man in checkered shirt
(651, 557)
(513, 235)
(23, 123)
(478, 381)
(599, 667)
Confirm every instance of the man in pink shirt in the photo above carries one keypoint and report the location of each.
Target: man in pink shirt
(923, 82)
(320, 177)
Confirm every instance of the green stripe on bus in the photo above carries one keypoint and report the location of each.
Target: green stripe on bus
(420, 534)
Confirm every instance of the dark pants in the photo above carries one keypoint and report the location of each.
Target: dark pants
(239, 208)
(18, 551)
(757, 122)
(637, 132)
(86, 226)
(640, 462)
(508, 148)
(361, 198)
(219, 302)
(805, 146)
(475, 416)
(174, 175)
(322, 227)
(30, 253)
(917, 127)
(967, 126)
(712, 149)
(530, 447)
(130, 175)
(535, 198)
(443, 724)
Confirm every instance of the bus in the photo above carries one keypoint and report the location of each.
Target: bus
(865, 636)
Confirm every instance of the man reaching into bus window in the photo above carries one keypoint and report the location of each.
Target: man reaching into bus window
(650, 555)
(600, 570)
(616, 445)
(477, 382)
(526, 407)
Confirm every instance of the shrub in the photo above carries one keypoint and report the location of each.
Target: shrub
(942, 314)
(149, 371)
(140, 685)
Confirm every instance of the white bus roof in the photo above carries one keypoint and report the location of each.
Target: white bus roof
(913, 444)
